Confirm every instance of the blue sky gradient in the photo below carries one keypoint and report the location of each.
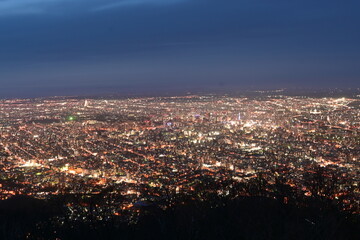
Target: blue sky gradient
(62, 47)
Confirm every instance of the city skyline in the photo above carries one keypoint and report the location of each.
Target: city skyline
(93, 162)
(179, 119)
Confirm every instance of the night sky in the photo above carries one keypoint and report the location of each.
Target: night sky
(69, 47)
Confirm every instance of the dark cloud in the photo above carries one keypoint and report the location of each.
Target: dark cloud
(146, 44)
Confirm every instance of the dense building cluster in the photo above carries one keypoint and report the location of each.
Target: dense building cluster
(143, 148)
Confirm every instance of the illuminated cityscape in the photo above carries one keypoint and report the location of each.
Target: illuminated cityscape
(179, 120)
(143, 147)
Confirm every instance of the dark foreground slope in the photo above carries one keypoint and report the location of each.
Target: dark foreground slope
(216, 218)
